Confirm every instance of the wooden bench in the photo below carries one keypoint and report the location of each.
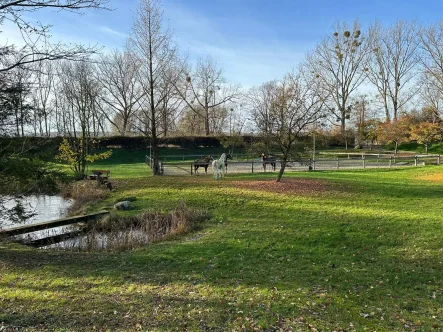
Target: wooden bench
(103, 173)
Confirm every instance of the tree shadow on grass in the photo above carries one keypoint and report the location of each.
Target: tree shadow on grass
(360, 264)
(323, 262)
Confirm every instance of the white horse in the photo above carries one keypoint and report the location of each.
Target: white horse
(218, 167)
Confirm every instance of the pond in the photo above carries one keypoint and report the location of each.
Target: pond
(124, 234)
(46, 208)
(43, 208)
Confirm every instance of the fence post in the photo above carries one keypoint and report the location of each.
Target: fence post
(363, 158)
(313, 165)
(192, 164)
(390, 161)
(252, 163)
(438, 160)
(416, 160)
(338, 163)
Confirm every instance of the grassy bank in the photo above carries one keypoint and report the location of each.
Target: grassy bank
(347, 250)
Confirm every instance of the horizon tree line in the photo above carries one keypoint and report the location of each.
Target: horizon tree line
(149, 89)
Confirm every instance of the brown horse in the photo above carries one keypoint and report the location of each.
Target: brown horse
(267, 160)
(202, 163)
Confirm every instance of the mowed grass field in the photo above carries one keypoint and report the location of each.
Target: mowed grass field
(320, 251)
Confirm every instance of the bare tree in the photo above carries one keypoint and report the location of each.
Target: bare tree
(260, 100)
(59, 103)
(391, 68)
(36, 35)
(237, 119)
(44, 73)
(432, 96)
(432, 63)
(121, 92)
(16, 104)
(206, 91)
(19, 91)
(365, 118)
(339, 63)
(191, 123)
(297, 103)
(80, 91)
(171, 106)
(154, 50)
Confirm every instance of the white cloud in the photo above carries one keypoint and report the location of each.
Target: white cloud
(112, 32)
(248, 56)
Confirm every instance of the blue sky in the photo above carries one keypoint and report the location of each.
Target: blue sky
(254, 41)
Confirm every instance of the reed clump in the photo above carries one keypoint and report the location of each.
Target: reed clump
(84, 193)
(128, 232)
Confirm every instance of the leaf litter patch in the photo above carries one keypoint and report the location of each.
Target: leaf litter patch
(305, 187)
(437, 177)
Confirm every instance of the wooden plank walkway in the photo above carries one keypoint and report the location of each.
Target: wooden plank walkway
(52, 239)
(51, 224)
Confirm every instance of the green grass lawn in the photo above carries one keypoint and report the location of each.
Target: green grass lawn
(337, 250)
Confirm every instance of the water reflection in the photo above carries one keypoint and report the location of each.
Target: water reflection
(98, 241)
(42, 208)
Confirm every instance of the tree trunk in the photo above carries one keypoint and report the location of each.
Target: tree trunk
(206, 117)
(385, 104)
(48, 133)
(124, 126)
(165, 121)
(395, 110)
(40, 124)
(17, 121)
(343, 128)
(282, 170)
(156, 165)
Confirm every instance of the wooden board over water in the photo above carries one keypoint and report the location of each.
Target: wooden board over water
(51, 224)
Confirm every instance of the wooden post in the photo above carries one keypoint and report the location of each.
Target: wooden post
(390, 161)
(363, 158)
(338, 163)
(438, 160)
(416, 160)
(252, 163)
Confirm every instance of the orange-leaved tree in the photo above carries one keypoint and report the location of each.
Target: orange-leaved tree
(425, 133)
(396, 132)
